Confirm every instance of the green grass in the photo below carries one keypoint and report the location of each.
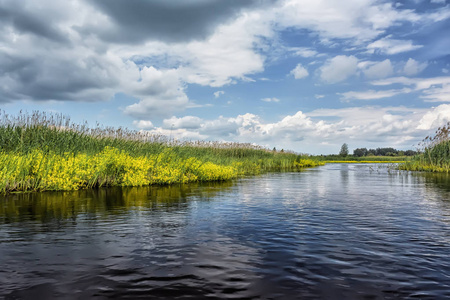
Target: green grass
(435, 155)
(433, 159)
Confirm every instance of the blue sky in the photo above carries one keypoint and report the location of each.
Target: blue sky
(292, 74)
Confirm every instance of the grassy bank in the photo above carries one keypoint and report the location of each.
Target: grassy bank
(435, 153)
(41, 152)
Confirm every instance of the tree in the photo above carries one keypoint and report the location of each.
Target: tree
(410, 152)
(344, 150)
(360, 152)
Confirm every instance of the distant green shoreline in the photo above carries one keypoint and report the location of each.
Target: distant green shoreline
(433, 157)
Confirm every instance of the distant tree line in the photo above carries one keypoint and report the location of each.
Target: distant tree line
(359, 152)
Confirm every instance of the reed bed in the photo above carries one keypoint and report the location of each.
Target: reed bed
(434, 155)
(41, 151)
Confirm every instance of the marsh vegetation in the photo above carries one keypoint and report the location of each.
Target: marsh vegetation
(41, 151)
(434, 154)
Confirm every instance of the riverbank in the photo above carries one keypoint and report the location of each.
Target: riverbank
(435, 159)
(41, 152)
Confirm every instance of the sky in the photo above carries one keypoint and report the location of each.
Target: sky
(305, 76)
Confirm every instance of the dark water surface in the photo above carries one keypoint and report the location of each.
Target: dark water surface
(333, 232)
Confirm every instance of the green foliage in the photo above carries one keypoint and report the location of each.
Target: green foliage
(344, 150)
(360, 152)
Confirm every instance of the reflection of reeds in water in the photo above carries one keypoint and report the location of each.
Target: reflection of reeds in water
(67, 206)
(48, 152)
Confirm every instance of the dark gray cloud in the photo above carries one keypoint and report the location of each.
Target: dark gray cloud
(28, 22)
(54, 78)
(169, 21)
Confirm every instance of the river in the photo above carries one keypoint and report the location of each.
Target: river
(340, 231)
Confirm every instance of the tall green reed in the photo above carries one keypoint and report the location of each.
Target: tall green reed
(434, 154)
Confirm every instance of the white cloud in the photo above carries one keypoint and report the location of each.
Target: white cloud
(156, 107)
(196, 105)
(229, 54)
(413, 67)
(376, 122)
(353, 19)
(389, 126)
(178, 134)
(440, 93)
(390, 46)
(435, 89)
(187, 122)
(319, 96)
(160, 92)
(143, 124)
(371, 94)
(339, 68)
(379, 70)
(438, 1)
(439, 15)
(303, 51)
(435, 118)
(299, 72)
(417, 83)
(232, 127)
(271, 99)
(395, 80)
(218, 94)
